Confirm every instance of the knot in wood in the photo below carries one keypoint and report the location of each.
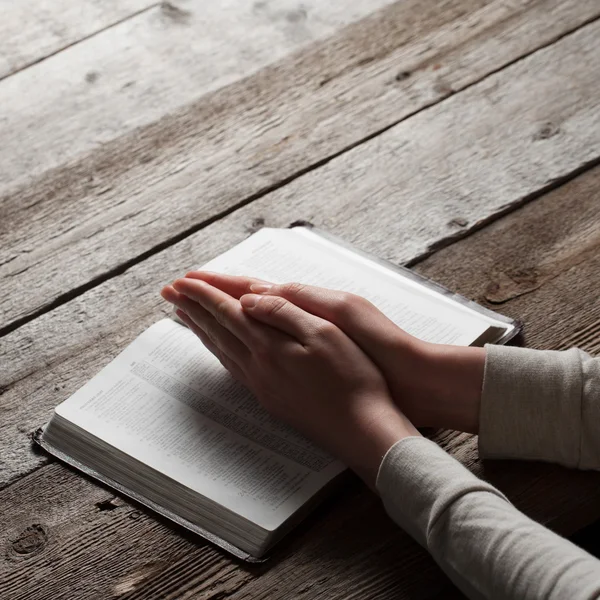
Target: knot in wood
(547, 130)
(30, 541)
(174, 13)
(296, 16)
(255, 225)
(458, 222)
(506, 285)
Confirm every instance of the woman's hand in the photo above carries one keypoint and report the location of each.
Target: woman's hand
(434, 385)
(303, 369)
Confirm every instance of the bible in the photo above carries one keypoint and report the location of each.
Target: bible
(165, 424)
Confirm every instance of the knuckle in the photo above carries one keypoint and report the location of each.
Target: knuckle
(292, 289)
(344, 304)
(274, 305)
(325, 330)
(210, 335)
(222, 312)
(348, 304)
(300, 354)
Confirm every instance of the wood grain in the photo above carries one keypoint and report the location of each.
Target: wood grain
(458, 161)
(71, 227)
(86, 530)
(544, 276)
(147, 67)
(348, 548)
(33, 30)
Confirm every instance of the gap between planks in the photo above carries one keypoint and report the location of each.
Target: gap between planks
(79, 40)
(62, 273)
(480, 189)
(35, 30)
(461, 235)
(444, 241)
(441, 244)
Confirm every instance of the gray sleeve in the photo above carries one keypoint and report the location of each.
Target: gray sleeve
(485, 545)
(541, 405)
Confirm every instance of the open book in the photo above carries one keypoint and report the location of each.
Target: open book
(165, 424)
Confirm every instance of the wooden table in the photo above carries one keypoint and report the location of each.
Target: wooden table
(140, 138)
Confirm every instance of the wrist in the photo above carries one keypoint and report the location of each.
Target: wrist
(379, 432)
(452, 386)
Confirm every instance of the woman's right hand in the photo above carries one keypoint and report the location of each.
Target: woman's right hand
(434, 385)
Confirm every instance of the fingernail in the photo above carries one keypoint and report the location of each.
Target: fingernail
(249, 300)
(261, 288)
(165, 293)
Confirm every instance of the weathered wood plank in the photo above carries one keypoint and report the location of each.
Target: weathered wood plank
(78, 223)
(534, 277)
(461, 162)
(349, 548)
(48, 538)
(147, 67)
(31, 31)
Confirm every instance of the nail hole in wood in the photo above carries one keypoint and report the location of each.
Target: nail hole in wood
(110, 504)
(403, 75)
(175, 13)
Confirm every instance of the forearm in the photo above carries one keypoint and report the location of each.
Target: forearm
(541, 405)
(487, 547)
(523, 403)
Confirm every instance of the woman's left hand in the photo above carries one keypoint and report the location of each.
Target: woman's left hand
(303, 369)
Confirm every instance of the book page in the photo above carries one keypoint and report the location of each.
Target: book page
(414, 288)
(285, 255)
(169, 403)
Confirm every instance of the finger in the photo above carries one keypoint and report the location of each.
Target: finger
(234, 285)
(285, 316)
(256, 336)
(220, 336)
(356, 316)
(169, 294)
(198, 331)
(226, 310)
(227, 362)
